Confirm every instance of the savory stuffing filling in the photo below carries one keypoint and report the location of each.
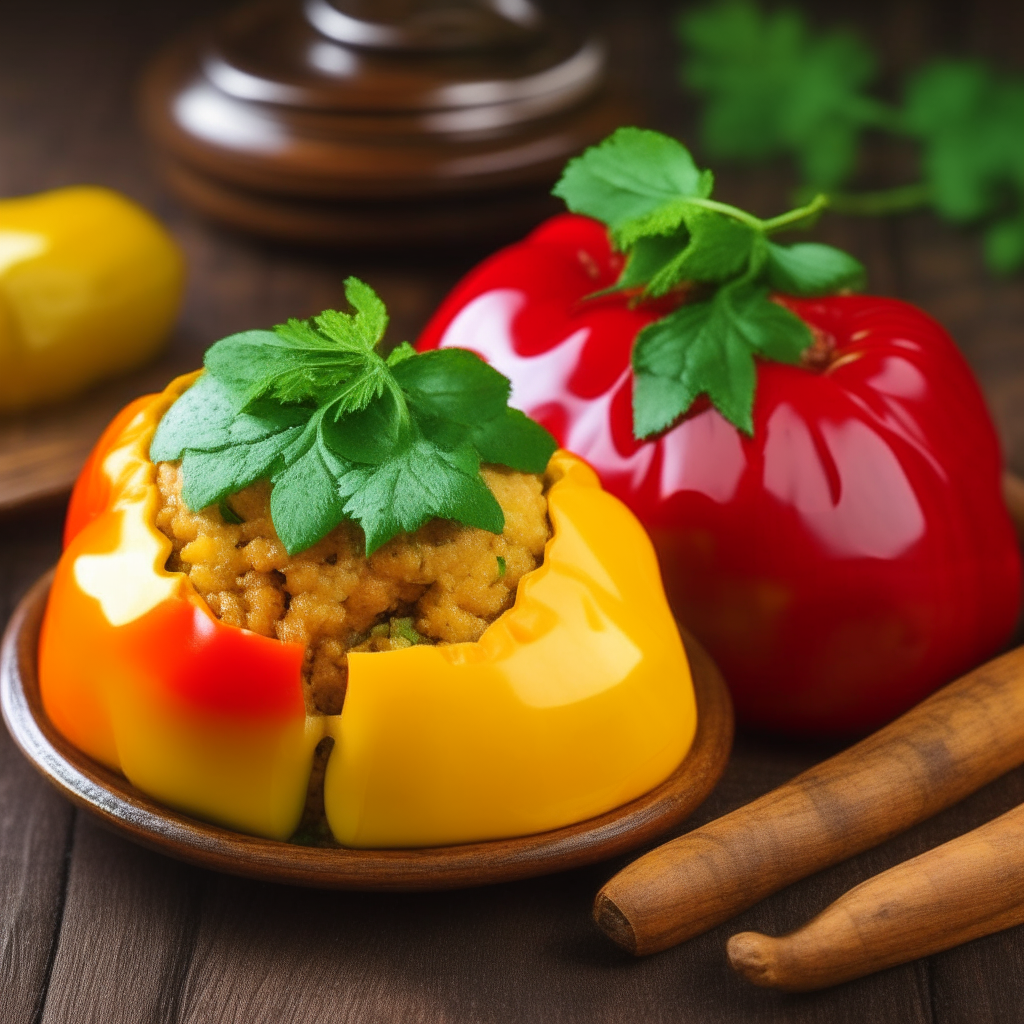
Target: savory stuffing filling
(445, 583)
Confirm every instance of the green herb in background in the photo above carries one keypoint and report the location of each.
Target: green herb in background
(772, 87)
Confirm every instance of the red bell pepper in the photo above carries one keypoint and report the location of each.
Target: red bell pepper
(846, 559)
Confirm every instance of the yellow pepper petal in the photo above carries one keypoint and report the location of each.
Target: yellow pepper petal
(573, 702)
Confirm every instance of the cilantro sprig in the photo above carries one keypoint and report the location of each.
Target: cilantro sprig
(772, 87)
(343, 432)
(658, 208)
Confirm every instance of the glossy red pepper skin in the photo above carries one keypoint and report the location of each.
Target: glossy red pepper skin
(850, 557)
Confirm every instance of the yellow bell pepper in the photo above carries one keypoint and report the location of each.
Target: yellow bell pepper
(90, 284)
(574, 701)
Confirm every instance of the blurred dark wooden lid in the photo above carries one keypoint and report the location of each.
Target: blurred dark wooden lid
(379, 120)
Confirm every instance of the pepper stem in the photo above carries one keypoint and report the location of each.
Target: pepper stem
(902, 199)
(803, 216)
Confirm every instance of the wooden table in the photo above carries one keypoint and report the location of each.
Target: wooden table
(93, 928)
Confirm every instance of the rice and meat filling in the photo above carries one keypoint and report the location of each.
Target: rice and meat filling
(445, 583)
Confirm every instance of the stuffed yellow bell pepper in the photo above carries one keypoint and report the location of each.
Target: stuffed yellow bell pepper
(574, 700)
(90, 284)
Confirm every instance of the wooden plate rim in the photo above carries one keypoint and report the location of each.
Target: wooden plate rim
(121, 807)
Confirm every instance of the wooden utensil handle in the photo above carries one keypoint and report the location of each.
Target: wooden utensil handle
(966, 888)
(951, 744)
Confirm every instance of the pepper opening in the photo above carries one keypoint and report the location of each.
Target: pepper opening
(445, 583)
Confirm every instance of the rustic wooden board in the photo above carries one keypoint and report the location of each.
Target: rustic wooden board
(140, 910)
(35, 823)
(35, 834)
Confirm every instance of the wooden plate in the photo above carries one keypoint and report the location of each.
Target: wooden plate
(123, 808)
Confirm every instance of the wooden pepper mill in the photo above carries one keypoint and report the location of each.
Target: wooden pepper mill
(375, 122)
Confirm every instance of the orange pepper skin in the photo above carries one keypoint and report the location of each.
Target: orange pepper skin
(574, 701)
(92, 490)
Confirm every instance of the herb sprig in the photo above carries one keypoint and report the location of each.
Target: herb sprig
(772, 87)
(658, 208)
(343, 432)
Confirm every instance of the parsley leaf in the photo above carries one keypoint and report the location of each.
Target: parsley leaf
(718, 249)
(203, 418)
(631, 174)
(648, 256)
(368, 435)
(453, 387)
(771, 88)
(514, 440)
(210, 476)
(810, 269)
(305, 502)
(706, 346)
(692, 351)
(972, 127)
(456, 395)
(221, 451)
(1004, 244)
(419, 481)
(343, 433)
(228, 514)
(306, 360)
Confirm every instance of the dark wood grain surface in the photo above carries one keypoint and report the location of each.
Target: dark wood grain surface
(93, 928)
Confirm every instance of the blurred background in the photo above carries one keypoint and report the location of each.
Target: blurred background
(69, 77)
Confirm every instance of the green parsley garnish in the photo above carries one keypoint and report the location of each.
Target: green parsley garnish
(658, 208)
(772, 87)
(228, 514)
(343, 432)
(394, 629)
(502, 567)
(402, 629)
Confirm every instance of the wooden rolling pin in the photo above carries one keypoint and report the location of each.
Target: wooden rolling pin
(951, 744)
(966, 888)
